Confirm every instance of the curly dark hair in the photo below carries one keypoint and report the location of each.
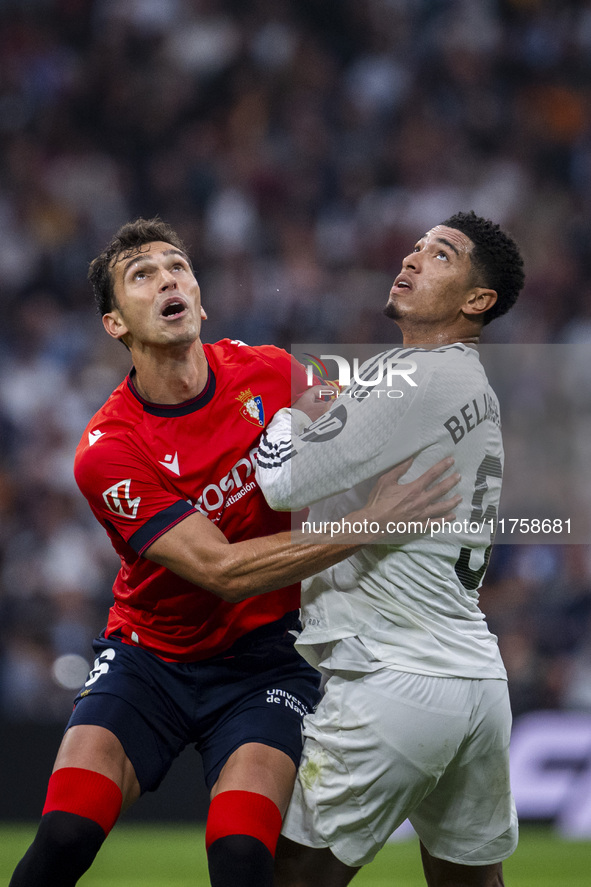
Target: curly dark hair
(496, 260)
(128, 240)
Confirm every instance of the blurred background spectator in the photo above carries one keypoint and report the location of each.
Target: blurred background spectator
(299, 147)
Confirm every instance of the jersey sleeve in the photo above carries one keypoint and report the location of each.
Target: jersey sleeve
(355, 440)
(125, 493)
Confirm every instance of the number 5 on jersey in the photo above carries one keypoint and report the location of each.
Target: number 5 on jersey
(489, 467)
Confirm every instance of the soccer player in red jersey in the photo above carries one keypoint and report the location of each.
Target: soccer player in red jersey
(198, 646)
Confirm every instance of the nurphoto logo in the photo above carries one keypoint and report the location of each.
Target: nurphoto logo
(383, 368)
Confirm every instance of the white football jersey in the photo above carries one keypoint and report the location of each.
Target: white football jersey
(412, 606)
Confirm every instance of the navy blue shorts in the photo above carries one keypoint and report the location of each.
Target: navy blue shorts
(256, 691)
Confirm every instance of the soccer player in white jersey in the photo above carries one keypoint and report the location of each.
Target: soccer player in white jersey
(415, 720)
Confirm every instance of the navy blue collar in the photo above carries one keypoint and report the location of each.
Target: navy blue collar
(175, 409)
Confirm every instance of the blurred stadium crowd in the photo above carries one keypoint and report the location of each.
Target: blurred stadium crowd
(300, 148)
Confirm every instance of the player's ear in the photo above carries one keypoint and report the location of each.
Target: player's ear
(114, 325)
(479, 300)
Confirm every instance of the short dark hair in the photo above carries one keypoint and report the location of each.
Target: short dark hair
(129, 239)
(496, 259)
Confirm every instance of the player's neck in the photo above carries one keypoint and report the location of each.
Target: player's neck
(163, 376)
(435, 336)
(435, 341)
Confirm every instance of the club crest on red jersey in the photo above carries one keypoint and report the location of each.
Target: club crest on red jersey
(118, 499)
(252, 408)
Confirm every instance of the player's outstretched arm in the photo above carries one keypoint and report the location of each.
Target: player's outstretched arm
(199, 552)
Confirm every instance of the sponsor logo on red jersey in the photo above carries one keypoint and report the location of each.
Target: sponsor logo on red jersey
(118, 499)
(216, 497)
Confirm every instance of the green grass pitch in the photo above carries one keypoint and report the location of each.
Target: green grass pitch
(174, 856)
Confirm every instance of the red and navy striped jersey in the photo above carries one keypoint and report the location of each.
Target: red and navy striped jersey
(143, 467)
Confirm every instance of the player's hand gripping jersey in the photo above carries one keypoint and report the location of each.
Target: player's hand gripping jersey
(413, 607)
(143, 467)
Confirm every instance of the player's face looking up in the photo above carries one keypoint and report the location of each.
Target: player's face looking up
(158, 301)
(437, 289)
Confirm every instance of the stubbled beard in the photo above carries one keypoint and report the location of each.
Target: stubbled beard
(391, 310)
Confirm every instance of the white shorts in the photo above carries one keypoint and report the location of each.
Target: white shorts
(390, 745)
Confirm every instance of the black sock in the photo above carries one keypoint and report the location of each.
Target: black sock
(64, 848)
(239, 861)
